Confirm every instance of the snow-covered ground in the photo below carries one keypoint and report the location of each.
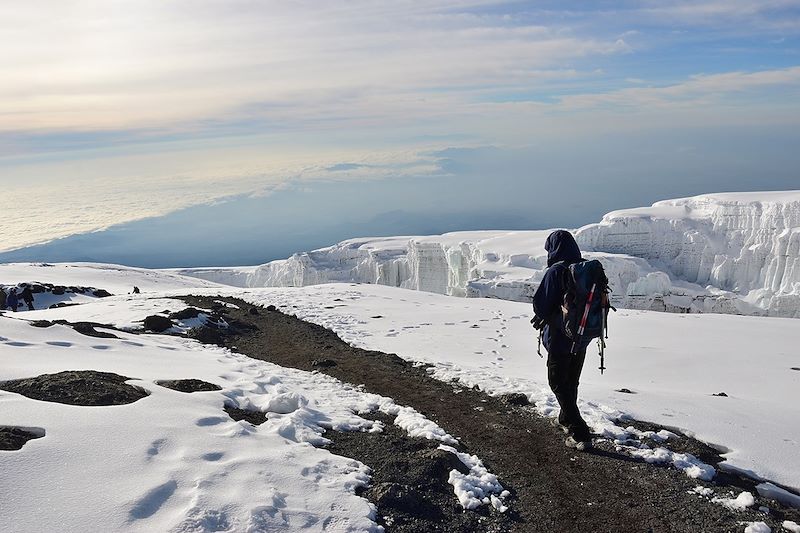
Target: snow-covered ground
(735, 253)
(175, 460)
(116, 279)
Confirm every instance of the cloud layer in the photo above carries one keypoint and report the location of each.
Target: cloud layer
(112, 110)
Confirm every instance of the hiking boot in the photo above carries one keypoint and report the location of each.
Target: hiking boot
(580, 445)
(558, 425)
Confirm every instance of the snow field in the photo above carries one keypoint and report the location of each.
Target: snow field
(175, 461)
(116, 279)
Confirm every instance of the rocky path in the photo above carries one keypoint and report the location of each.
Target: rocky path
(554, 488)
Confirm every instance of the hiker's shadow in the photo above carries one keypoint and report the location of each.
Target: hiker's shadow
(617, 456)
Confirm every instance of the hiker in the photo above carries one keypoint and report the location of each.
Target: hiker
(27, 297)
(12, 301)
(563, 367)
(2, 299)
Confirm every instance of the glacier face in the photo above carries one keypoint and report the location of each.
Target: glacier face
(723, 253)
(746, 244)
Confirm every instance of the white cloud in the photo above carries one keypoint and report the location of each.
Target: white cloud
(97, 64)
(696, 90)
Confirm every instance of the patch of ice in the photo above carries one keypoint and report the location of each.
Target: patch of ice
(769, 490)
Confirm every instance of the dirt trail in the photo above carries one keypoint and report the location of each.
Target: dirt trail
(554, 488)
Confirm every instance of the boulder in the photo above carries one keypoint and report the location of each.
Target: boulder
(77, 387)
(188, 385)
(157, 323)
(183, 314)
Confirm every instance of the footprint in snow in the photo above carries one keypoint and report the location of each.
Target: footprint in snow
(63, 344)
(18, 343)
(152, 500)
(155, 447)
(210, 421)
(101, 347)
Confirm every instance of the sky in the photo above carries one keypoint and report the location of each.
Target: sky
(185, 133)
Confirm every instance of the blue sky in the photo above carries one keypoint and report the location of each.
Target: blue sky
(116, 112)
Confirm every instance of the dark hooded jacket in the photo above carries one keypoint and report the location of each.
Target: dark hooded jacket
(562, 250)
(12, 301)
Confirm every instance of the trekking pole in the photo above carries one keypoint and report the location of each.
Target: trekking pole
(602, 344)
(582, 326)
(539, 349)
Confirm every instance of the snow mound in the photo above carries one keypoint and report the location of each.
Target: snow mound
(479, 487)
(743, 501)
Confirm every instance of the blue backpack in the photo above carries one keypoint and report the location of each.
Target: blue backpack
(584, 310)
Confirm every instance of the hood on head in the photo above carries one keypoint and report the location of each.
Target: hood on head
(561, 246)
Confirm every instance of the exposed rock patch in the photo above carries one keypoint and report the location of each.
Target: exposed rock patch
(157, 323)
(84, 328)
(189, 312)
(515, 398)
(14, 438)
(188, 385)
(88, 329)
(254, 417)
(77, 387)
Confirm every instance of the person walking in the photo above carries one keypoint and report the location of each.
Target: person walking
(563, 367)
(27, 296)
(12, 301)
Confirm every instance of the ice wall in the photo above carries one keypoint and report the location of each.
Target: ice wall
(721, 253)
(747, 244)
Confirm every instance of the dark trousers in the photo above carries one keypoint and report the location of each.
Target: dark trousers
(563, 374)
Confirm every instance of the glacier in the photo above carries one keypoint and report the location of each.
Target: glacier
(736, 253)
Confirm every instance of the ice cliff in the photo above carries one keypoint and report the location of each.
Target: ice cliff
(726, 253)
